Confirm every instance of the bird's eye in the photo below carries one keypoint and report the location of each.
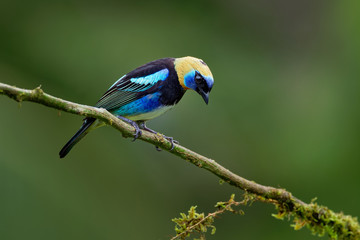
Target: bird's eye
(198, 78)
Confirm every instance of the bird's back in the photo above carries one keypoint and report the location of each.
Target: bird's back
(153, 87)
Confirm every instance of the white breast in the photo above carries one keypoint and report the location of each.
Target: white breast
(150, 115)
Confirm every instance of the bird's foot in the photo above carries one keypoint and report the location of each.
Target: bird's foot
(170, 139)
(137, 133)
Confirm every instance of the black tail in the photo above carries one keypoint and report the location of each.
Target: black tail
(77, 137)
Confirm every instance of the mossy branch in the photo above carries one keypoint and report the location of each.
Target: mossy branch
(319, 219)
(198, 223)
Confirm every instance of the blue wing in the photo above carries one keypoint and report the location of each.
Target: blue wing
(133, 86)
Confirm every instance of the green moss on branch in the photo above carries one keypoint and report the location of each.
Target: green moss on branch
(319, 219)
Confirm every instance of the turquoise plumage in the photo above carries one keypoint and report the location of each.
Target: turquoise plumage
(149, 91)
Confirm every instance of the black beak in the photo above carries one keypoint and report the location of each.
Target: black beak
(205, 96)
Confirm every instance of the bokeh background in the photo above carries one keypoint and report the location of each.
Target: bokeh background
(284, 111)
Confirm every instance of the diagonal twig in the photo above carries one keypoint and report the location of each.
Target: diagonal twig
(320, 219)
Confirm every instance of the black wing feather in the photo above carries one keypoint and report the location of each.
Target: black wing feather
(125, 91)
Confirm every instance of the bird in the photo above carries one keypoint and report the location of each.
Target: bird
(147, 92)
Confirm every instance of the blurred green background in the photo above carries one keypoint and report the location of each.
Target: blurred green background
(284, 112)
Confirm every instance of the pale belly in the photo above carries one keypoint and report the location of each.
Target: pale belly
(140, 117)
(149, 115)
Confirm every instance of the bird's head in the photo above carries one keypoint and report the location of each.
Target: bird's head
(193, 73)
